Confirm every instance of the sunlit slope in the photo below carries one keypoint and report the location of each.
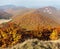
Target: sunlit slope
(34, 20)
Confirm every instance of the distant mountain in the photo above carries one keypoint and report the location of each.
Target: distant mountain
(4, 15)
(35, 19)
(48, 10)
(32, 18)
(52, 12)
(15, 10)
(7, 7)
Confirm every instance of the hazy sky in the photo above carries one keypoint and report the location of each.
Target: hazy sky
(31, 3)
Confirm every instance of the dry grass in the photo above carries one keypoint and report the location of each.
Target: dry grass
(37, 44)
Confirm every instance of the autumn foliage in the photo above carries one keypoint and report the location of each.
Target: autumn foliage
(11, 34)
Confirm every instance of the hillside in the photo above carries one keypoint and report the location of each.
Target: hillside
(34, 20)
(52, 12)
(15, 10)
(21, 11)
(4, 15)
